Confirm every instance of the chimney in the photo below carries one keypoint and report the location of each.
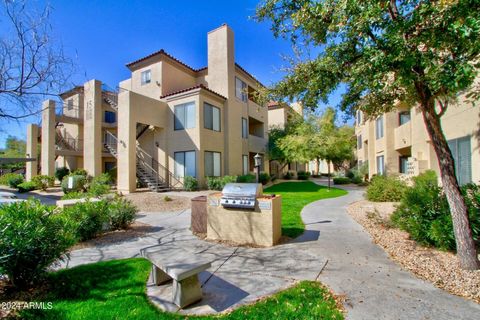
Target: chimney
(221, 61)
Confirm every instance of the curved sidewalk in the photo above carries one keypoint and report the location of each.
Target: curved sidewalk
(334, 249)
(374, 286)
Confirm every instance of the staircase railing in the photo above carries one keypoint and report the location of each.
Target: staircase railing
(110, 142)
(162, 172)
(67, 143)
(146, 162)
(110, 95)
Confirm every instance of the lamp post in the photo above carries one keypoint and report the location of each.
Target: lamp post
(258, 163)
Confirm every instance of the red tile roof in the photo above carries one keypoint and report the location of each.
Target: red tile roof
(162, 52)
(200, 86)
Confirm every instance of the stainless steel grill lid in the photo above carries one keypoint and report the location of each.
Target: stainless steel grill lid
(241, 195)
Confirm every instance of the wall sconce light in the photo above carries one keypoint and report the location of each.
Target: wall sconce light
(157, 144)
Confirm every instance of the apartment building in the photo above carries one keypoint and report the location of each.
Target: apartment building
(69, 130)
(172, 121)
(397, 142)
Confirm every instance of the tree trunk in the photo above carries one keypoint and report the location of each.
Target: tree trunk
(466, 251)
(317, 166)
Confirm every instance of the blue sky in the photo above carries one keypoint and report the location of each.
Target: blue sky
(102, 36)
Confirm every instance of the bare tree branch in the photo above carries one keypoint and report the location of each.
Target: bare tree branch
(32, 65)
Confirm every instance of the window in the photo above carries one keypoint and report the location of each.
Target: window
(359, 117)
(211, 117)
(380, 165)
(403, 117)
(146, 76)
(185, 116)
(240, 89)
(185, 164)
(244, 128)
(403, 164)
(462, 156)
(212, 164)
(69, 104)
(245, 164)
(359, 142)
(110, 117)
(110, 165)
(379, 127)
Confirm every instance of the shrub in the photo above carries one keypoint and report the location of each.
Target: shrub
(32, 238)
(12, 179)
(341, 180)
(350, 174)
(79, 183)
(121, 213)
(43, 182)
(100, 185)
(214, 183)
(74, 195)
(217, 183)
(167, 199)
(80, 172)
(246, 178)
(357, 180)
(424, 212)
(61, 172)
(27, 186)
(190, 183)
(263, 178)
(288, 175)
(90, 218)
(384, 189)
(302, 175)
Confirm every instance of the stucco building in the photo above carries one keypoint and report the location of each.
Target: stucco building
(167, 121)
(397, 143)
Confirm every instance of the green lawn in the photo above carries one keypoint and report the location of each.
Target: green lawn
(295, 196)
(116, 290)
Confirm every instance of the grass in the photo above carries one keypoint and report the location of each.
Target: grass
(295, 196)
(116, 290)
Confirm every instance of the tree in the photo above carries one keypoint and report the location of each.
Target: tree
(32, 65)
(14, 148)
(319, 138)
(419, 52)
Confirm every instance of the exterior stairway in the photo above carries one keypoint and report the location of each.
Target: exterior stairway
(145, 171)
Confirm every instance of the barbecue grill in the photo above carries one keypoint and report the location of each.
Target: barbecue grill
(241, 195)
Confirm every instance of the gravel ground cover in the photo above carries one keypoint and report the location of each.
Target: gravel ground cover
(158, 202)
(438, 267)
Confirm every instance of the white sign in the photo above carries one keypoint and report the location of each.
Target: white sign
(70, 183)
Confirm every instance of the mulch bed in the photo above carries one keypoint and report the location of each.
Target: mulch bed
(438, 267)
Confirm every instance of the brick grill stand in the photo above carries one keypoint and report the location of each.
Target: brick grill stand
(199, 215)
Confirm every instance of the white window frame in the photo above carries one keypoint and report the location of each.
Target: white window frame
(245, 164)
(216, 158)
(379, 133)
(381, 168)
(244, 128)
(181, 169)
(359, 142)
(215, 114)
(146, 77)
(186, 120)
(241, 89)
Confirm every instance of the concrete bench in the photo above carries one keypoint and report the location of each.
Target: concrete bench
(173, 263)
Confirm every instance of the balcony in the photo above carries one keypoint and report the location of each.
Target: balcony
(403, 136)
(257, 144)
(68, 114)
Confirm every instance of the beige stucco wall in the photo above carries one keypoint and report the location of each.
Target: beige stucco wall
(411, 139)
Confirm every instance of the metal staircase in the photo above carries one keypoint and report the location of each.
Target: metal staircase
(149, 172)
(64, 143)
(110, 96)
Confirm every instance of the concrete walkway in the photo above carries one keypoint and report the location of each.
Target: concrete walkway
(334, 249)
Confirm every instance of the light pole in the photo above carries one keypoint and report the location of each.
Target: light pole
(258, 163)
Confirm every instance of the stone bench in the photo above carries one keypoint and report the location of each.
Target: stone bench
(173, 263)
(72, 202)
